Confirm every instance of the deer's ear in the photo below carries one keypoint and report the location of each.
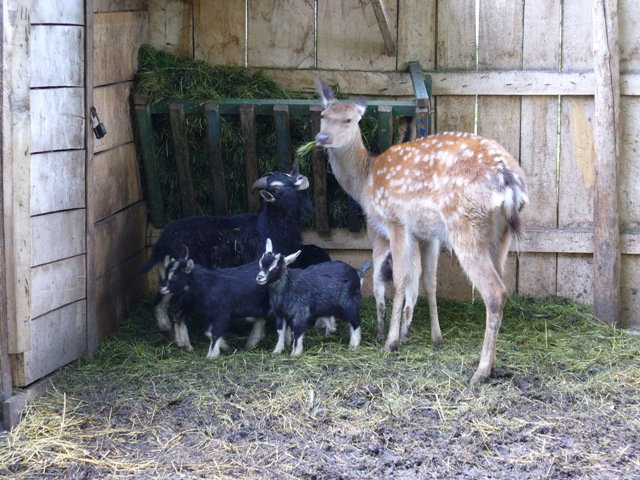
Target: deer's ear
(361, 105)
(325, 94)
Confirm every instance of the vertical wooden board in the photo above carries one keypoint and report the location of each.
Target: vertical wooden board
(281, 33)
(57, 119)
(171, 26)
(456, 42)
(537, 274)
(455, 113)
(577, 54)
(630, 291)
(452, 281)
(499, 119)
(538, 147)
(57, 235)
(629, 33)
(577, 157)
(575, 277)
(349, 37)
(117, 61)
(219, 32)
(119, 237)
(58, 283)
(16, 149)
(500, 35)
(576, 188)
(113, 104)
(629, 166)
(69, 12)
(117, 290)
(57, 56)
(57, 181)
(417, 33)
(541, 34)
(115, 180)
(59, 337)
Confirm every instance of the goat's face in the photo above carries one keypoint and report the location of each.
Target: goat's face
(285, 190)
(176, 276)
(273, 265)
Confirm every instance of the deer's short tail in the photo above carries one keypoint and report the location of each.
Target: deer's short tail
(515, 198)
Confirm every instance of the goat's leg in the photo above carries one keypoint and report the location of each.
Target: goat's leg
(430, 254)
(180, 332)
(257, 333)
(328, 323)
(380, 252)
(161, 307)
(353, 316)
(281, 328)
(401, 247)
(479, 266)
(411, 294)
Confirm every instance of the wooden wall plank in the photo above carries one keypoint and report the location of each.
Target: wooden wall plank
(630, 291)
(456, 47)
(417, 33)
(16, 149)
(629, 166)
(171, 26)
(57, 284)
(57, 56)
(629, 32)
(576, 37)
(117, 61)
(219, 32)
(62, 338)
(116, 290)
(57, 119)
(281, 33)
(113, 105)
(57, 235)
(103, 6)
(57, 181)
(119, 237)
(57, 11)
(349, 36)
(537, 272)
(500, 33)
(115, 181)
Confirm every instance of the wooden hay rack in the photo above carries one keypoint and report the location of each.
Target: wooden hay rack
(248, 110)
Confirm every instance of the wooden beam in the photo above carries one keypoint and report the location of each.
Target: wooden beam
(216, 160)
(249, 136)
(606, 129)
(319, 174)
(499, 82)
(181, 152)
(283, 137)
(383, 22)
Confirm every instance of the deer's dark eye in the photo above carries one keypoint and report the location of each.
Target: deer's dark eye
(348, 120)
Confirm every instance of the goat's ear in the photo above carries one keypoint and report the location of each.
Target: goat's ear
(269, 246)
(361, 105)
(325, 94)
(267, 197)
(301, 183)
(188, 267)
(289, 259)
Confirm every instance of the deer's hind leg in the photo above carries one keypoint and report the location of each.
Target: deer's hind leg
(381, 259)
(430, 253)
(411, 292)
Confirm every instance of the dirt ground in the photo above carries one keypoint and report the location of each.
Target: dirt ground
(563, 403)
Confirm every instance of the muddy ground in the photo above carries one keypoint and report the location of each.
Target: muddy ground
(563, 403)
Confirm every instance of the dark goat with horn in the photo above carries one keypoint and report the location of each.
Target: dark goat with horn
(228, 241)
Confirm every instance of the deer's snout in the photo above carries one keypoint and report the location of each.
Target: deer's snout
(322, 139)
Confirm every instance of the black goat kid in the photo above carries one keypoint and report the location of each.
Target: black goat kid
(298, 297)
(219, 294)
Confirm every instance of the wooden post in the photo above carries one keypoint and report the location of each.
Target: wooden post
(181, 151)
(319, 174)
(248, 133)
(606, 230)
(283, 137)
(216, 162)
(147, 151)
(385, 127)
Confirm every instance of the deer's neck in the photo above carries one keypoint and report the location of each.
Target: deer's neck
(350, 165)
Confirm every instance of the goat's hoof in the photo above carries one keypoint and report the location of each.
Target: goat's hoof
(437, 342)
(188, 348)
(404, 339)
(381, 337)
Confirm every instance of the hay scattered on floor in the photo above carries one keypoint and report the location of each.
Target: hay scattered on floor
(563, 403)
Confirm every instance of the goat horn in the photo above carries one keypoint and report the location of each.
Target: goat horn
(185, 249)
(260, 183)
(295, 169)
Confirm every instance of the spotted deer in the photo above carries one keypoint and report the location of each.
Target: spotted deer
(456, 190)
